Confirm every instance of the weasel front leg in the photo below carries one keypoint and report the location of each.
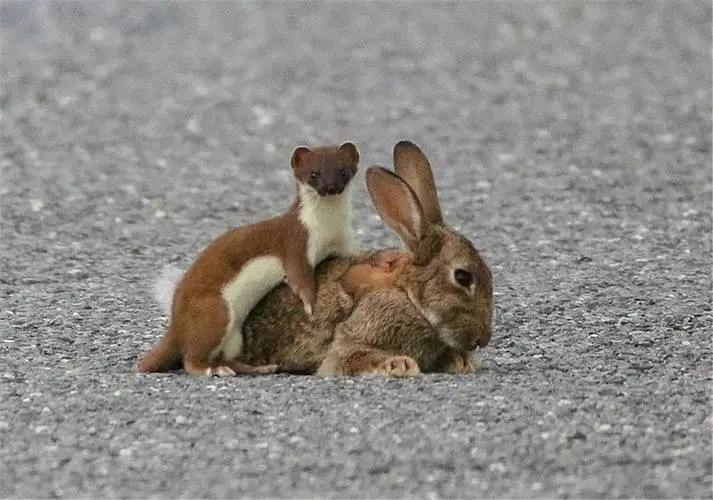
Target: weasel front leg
(300, 278)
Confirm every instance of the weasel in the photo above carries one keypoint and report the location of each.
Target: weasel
(241, 266)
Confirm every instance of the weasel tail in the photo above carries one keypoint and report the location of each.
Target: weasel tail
(165, 286)
(165, 356)
(162, 358)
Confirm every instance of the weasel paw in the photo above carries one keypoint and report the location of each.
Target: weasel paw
(219, 371)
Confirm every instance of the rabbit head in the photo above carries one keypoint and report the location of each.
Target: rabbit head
(444, 277)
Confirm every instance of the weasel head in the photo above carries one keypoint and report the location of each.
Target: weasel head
(327, 170)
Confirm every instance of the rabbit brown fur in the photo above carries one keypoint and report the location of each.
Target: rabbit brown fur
(423, 309)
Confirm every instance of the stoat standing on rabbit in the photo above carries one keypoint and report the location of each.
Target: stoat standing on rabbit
(236, 270)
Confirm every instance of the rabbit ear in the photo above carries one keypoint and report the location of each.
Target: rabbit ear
(397, 205)
(412, 166)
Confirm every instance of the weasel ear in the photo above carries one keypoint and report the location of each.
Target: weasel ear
(299, 155)
(350, 150)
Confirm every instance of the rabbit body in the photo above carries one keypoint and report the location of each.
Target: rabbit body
(348, 336)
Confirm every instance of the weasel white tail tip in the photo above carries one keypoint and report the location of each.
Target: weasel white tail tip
(164, 287)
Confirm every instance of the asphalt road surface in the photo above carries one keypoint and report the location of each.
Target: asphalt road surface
(571, 142)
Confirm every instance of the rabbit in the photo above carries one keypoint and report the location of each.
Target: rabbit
(390, 312)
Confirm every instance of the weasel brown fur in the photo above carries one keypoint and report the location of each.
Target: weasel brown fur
(241, 266)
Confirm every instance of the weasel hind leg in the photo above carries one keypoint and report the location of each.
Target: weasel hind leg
(209, 323)
(215, 340)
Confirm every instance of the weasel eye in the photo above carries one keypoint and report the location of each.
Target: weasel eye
(314, 175)
(463, 278)
(343, 171)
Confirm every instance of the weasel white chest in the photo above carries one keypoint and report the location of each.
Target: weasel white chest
(328, 223)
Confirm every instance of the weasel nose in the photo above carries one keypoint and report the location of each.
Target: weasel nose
(335, 189)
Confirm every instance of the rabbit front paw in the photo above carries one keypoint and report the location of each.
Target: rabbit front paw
(461, 362)
(399, 366)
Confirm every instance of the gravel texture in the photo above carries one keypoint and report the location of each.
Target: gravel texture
(571, 142)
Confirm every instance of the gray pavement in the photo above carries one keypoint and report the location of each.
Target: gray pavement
(571, 142)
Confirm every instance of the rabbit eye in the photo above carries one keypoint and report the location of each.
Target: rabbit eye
(463, 278)
(313, 175)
